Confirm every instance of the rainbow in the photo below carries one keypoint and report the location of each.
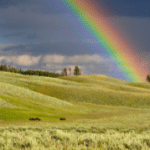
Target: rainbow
(93, 17)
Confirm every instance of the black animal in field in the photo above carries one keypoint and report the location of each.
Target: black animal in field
(62, 118)
(34, 119)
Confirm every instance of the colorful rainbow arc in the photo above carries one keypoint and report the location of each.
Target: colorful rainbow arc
(92, 16)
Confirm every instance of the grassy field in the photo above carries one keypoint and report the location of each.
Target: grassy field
(101, 113)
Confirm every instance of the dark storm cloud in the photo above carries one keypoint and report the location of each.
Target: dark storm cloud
(20, 46)
(15, 18)
(62, 48)
(7, 3)
(38, 6)
(14, 34)
(136, 8)
(32, 36)
(136, 32)
(22, 34)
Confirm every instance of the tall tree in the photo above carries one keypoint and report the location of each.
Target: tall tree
(65, 72)
(77, 71)
(148, 78)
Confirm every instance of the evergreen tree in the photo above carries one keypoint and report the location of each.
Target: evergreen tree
(77, 71)
(148, 78)
(4, 67)
(65, 72)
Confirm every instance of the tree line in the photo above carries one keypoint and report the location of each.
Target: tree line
(6, 68)
(77, 72)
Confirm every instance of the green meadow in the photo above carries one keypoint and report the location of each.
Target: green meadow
(101, 113)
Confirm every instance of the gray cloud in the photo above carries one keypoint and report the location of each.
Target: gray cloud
(15, 47)
(135, 31)
(29, 36)
(32, 36)
(63, 48)
(7, 3)
(115, 7)
(15, 18)
(14, 34)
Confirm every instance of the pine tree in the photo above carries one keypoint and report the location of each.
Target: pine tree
(148, 78)
(64, 72)
(77, 71)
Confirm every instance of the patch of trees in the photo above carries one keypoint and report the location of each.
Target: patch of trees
(77, 71)
(39, 72)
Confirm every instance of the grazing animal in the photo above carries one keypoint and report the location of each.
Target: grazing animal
(62, 118)
(33, 119)
(38, 119)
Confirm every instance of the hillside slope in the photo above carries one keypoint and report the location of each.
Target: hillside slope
(24, 96)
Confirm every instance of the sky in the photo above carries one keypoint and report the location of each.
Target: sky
(47, 35)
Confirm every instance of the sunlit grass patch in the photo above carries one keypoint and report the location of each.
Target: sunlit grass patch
(5, 104)
(140, 85)
(7, 89)
(24, 115)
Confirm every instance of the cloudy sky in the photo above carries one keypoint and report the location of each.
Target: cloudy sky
(44, 35)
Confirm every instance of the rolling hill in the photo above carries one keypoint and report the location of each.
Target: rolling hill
(72, 97)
